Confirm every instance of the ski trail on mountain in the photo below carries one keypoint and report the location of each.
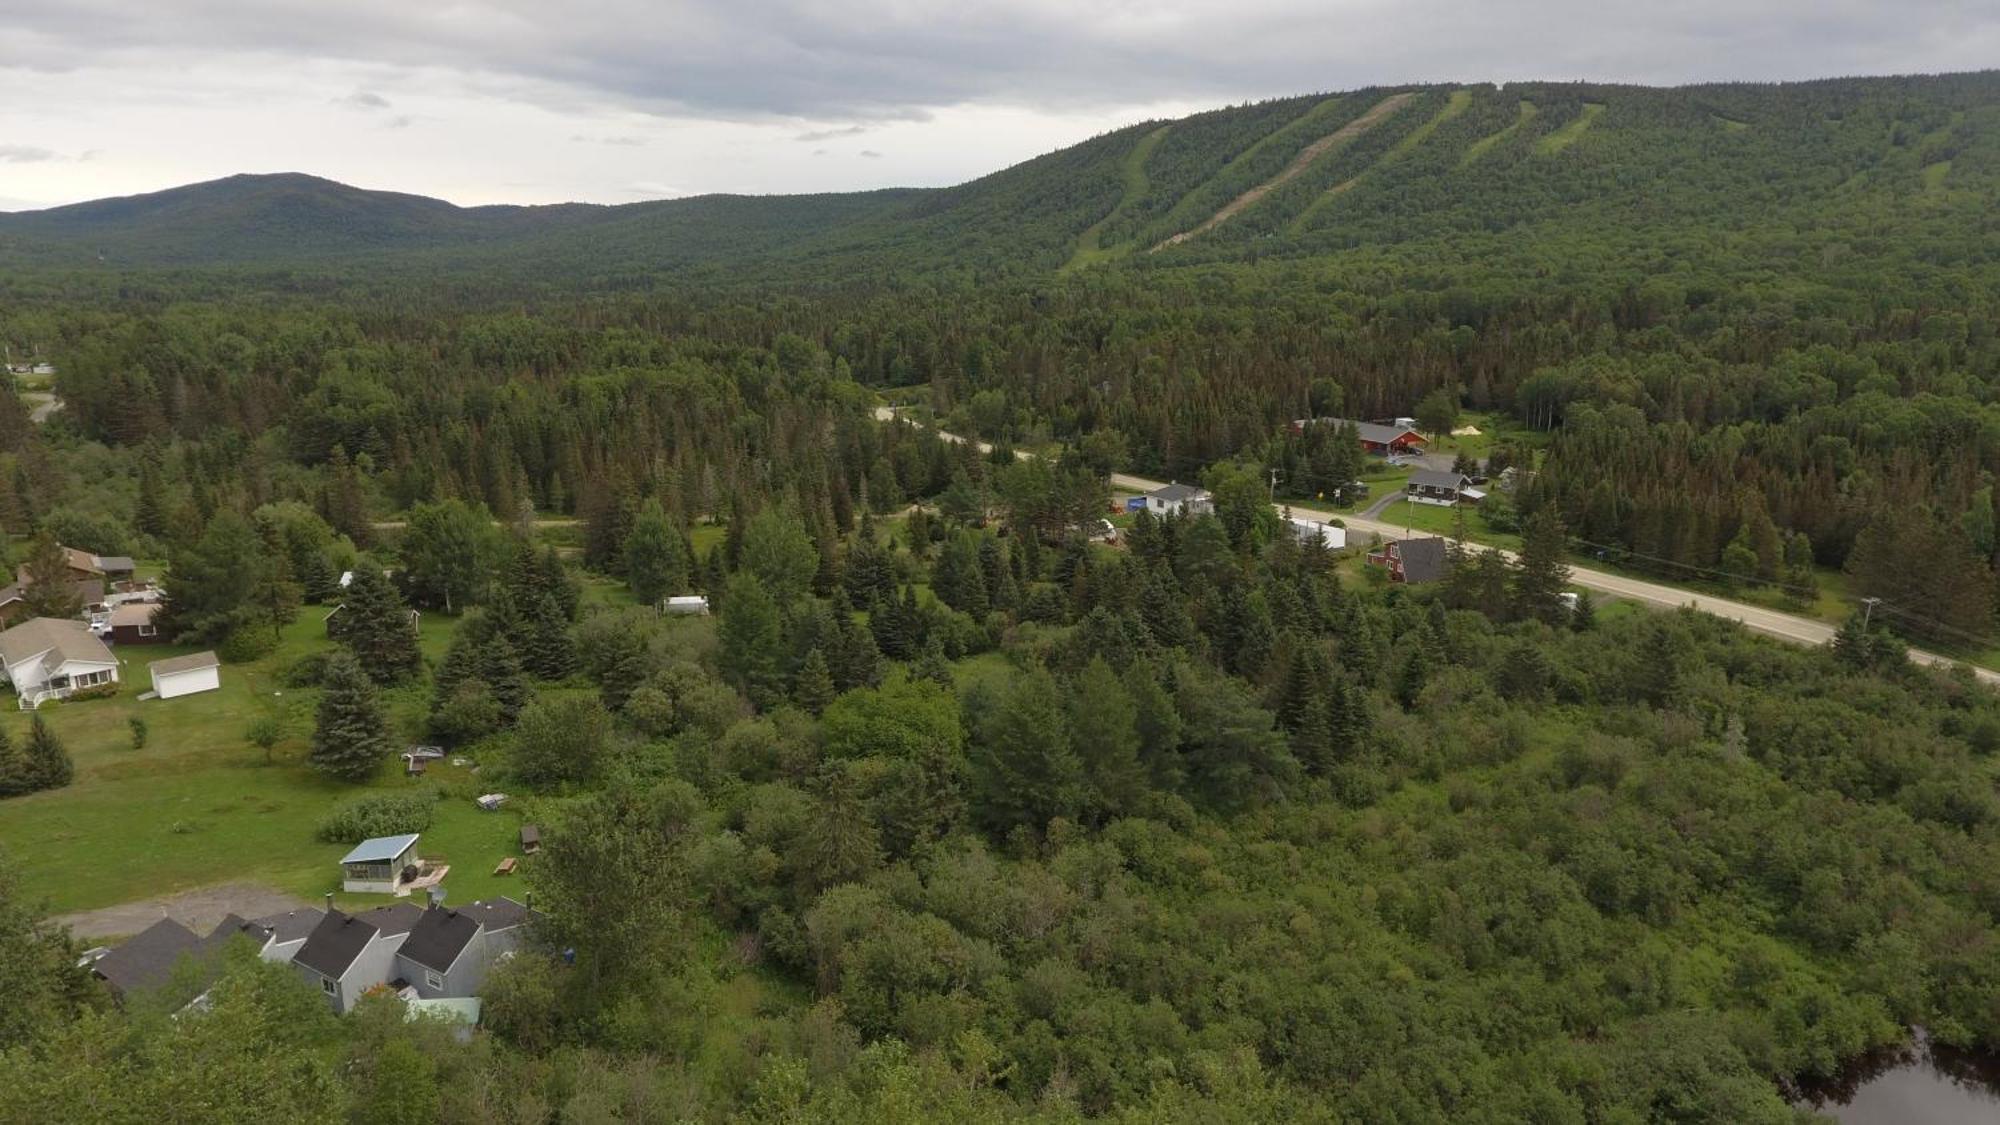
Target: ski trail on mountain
(1299, 163)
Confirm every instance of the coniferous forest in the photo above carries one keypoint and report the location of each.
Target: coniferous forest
(947, 810)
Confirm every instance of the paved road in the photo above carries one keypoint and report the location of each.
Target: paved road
(1770, 622)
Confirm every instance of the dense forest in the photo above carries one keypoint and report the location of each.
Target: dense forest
(949, 812)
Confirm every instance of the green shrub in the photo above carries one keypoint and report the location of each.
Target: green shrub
(247, 644)
(305, 672)
(379, 814)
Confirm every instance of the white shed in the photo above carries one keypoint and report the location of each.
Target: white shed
(186, 675)
(1307, 530)
(685, 605)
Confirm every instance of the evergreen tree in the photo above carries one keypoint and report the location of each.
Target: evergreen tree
(347, 500)
(957, 578)
(49, 591)
(224, 582)
(13, 768)
(750, 642)
(350, 732)
(813, 687)
(779, 552)
(1027, 766)
(375, 625)
(548, 650)
(154, 512)
(840, 843)
(1544, 570)
(934, 666)
(48, 762)
(656, 556)
(1104, 726)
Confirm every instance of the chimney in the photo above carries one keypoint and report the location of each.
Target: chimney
(437, 894)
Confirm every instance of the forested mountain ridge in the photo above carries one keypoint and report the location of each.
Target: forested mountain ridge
(1448, 168)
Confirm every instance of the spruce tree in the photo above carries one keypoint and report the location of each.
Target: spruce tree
(48, 764)
(1104, 725)
(1027, 765)
(1544, 571)
(13, 767)
(50, 591)
(751, 642)
(375, 626)
(813, 687)
(350, 733)
(549, 651)
(656, 557)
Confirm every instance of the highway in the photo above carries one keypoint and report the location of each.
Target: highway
(1757, 619)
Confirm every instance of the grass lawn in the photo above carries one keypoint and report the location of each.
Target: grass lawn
(199, 804)
(1444, 521)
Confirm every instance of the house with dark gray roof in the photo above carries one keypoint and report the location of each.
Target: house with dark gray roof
(1444, 489)
(150, 959)
(1179, 499)
(435, 953)
(1413, 560)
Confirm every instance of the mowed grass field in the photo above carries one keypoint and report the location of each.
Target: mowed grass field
(199, 804)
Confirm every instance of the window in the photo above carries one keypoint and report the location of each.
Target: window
(149, 630)
(326, 985)
(434, 979)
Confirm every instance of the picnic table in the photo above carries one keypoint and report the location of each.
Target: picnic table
(506, 866)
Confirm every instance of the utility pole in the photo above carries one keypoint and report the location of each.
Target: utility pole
(1275, 474)
(1867, 610)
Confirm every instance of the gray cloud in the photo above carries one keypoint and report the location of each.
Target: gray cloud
(871, 154)
(364, 100)
(819, 135)
(614, 142)
(27, 154)
(797, 58)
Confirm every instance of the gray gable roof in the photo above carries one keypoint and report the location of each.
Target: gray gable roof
(292, 925)
(1437, 478)
(496, 914)
(1372, 432)
(334, 944)
(1177, 491)
(439, 937)
(396, 918)
(1423, 559)
(147, 959)
(67, 640)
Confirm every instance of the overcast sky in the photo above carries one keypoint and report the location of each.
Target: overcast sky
(533, 101)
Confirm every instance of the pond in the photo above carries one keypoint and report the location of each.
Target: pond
(1922, 1084)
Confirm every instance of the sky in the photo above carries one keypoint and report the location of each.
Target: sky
(611, 101)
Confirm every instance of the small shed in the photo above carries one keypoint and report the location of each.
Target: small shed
(531, 839)
(1334, 538)
(186, 675)
(686, 605)
(375, 866)
(132, 624)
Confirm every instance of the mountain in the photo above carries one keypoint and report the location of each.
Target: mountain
(1527, 177)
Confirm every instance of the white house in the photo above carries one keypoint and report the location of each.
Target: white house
(1177, 498)
(375, 866)
(186, 675)
(1307, 530)
(1441, 489)
(50, 658)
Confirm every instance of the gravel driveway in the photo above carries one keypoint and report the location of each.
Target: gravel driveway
(199, 910)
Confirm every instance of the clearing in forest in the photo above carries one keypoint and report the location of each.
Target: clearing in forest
(1934, 175)
(1485, 144)
(1453, 106)
(1299, 163)
(1134, 173)
(1729, 124)
(1564, 137)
